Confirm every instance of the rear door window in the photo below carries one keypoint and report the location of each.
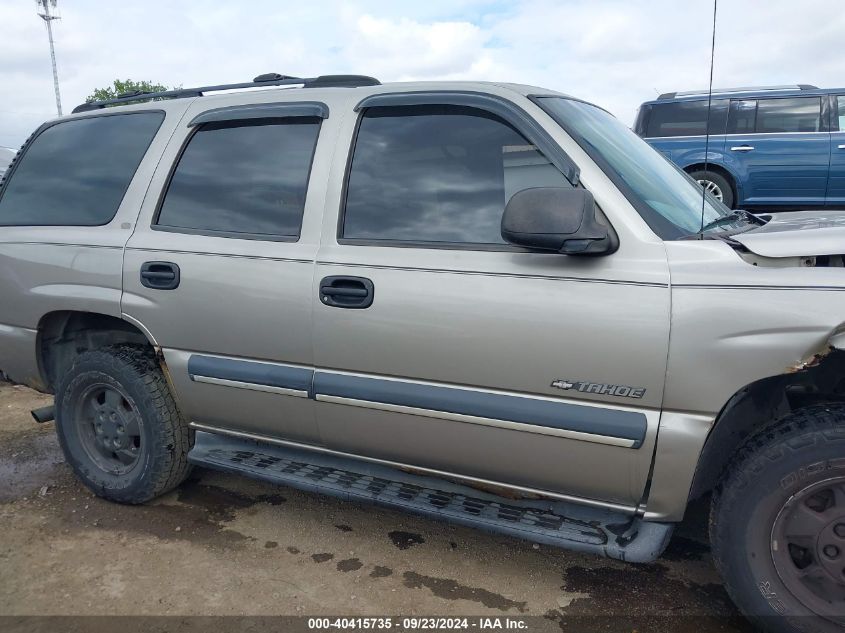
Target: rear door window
(76, 172)
(687, 118)
(243, 178)
(840, 112)
(742, 117)
(802, 114)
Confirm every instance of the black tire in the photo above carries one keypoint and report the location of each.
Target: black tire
(160, 447)
(719, 181)
(775, 470)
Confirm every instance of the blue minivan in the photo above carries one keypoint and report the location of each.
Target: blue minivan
(778, 147)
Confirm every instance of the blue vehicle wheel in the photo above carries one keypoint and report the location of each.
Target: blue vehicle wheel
(716, 185)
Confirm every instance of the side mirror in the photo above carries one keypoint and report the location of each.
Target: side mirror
(555, 219)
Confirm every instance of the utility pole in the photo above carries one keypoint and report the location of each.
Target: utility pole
(44, 13)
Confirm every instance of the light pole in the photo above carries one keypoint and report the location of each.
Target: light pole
(44, 13)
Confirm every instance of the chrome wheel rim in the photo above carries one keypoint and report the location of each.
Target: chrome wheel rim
(712, 188)
(808, 547)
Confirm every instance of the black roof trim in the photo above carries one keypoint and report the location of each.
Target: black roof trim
(341, 81)
(261, 81)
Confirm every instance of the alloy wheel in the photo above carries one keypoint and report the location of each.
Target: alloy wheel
(712, 188)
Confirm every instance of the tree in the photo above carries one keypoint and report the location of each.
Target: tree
(120, 87)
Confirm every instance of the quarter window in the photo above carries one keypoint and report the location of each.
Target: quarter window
(789, 115)
(840, 108)
(75, 173)
(243, 178)
(687, 118)
(438, 175)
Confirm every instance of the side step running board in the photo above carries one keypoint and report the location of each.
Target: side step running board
(550, 522)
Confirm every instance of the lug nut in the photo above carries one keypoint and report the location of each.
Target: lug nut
(839, 530)
(831, 551)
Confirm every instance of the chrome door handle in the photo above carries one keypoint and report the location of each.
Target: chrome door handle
(841, 147)
(742, 148)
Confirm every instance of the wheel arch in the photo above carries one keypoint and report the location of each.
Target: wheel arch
(62, 334)
(763, 402)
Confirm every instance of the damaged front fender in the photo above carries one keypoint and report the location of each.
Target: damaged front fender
(836, 342)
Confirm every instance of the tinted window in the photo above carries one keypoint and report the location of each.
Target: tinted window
(742, 117)
(247, 177)
(840, 106)
(670, 202)
(75, 173)
(687, 118)
(789, 115)
(6, 156)
(438, 174)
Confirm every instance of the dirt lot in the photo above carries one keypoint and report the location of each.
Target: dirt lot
(223, 545)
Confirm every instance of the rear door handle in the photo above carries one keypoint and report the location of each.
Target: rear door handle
(160, 275)
(742, 148)
(354, 293)
(841, 147)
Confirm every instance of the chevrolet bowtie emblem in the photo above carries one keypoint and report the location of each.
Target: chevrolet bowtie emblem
(600, 388)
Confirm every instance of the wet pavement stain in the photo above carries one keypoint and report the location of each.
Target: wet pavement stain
(350, 564)
(321, 558)
(648, 590)
(271, 544)
(405, 540)
(32, 461)
(343, 528)
(293, 550)
(453, 590)
(194, 523)
(381, 572)
(219, 502)
(222, 502)
(272, 499)
(682, 548)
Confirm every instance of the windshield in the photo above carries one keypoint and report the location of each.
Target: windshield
(668, 199)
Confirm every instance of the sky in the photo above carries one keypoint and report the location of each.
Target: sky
(614, 53)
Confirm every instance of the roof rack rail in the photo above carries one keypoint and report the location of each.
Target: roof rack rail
(261, 81)
(695, 93)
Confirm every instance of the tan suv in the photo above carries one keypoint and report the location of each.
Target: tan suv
(488, 303)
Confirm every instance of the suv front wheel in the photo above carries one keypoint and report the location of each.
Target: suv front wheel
(777, 525)
(119, 427)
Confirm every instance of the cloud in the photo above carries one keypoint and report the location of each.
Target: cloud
(407, 49)
(614, 52)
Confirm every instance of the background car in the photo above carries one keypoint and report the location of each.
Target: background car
(781, 147)
(6, 156)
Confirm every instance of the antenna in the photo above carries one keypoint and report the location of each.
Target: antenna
(709, 103)
(43, 10)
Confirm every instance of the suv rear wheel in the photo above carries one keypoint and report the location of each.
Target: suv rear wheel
(777, 524)
(716, 185)
(119, 427)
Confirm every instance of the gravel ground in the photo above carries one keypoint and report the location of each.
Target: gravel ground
(223, 545)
